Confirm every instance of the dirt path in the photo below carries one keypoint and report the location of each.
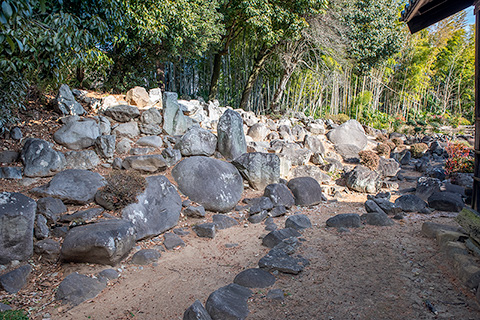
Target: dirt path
(367, 273)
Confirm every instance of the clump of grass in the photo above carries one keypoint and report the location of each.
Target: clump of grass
(398, 142)
(369, 159)
(13, 315)
(122, 189)
(383, 149)
(418, 149)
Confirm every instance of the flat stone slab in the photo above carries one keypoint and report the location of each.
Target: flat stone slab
(228, 303)
(145, 256)
(16, 279)
(280, 261)
(255, 278)
(344, 220)
(72, 186)
(76, 288)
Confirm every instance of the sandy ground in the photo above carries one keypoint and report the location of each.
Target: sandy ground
(367, 273)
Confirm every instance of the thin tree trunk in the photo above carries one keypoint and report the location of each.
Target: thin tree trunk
(257, 67)
(217, 63)
(277, 97)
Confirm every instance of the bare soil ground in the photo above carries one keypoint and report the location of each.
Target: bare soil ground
(367, 273)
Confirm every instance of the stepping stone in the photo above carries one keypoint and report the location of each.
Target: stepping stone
(279, 194)
(278, 211)
(275, 237)
(306, 190)
(446, 201)
(222, 221)
(145, 256)
(172, 240)
(109, 274)
(276, 294)
(258, 217)
(76, 288)
(205, 230)
(196, 312)
(377, 219)
(280, 261)
(229, 302)
(194, 212)
(344, 220)
(410, 203)
(298, 222)
(255, 278)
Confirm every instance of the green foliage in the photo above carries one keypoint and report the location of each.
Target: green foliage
(374, 32)
(13, 315)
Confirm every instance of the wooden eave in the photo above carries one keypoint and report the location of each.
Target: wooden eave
(420, 14)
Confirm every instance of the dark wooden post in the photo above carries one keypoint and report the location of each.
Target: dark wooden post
(476, 177)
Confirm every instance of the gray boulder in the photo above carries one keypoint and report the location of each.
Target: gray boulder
(194, 212)
(41, 230)
(277, 236)
(150, 141)
(78, 135)
(228, 303)
(314, 144)
(172, 240)
(84, 159)
(197, 142)
(76, 288)
(65, 102)
(51, 208)
(174, 121)
(17, 217)
(372, 206)
(254, 278)
(259, 169)
(49, 249)
(147, 163)
(410, 203)
(104, 242)
(278, 260)
(151, 116)
(258, 132)
(196, 312)
(150, 129)
(105, 146)
(216, 185)
(344, 220)
(231, 141)
(310, 171)
(10, 173)
(40, 160)
(426, 187)
(362, 179)
(349, 152)
(157, 209)
(82, 215)
(124, 145)
(223, 221)
(350, 132)
(72, 186)
(296, 155)
(122, 113)
(306, 190)
(388, 167)
(171, 156)
(446, 201)
(127, 129)
(377, 219)
(16, 279)
(279, 194)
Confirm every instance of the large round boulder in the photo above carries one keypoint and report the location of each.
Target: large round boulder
(350, 132)
(78, 135)
(216, 185)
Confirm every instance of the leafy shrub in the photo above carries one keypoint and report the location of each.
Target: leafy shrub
(13, 315)
(122, 189)
(383, 149)
(369, 159)
(418, 149)
(397, 141)
(459, 158)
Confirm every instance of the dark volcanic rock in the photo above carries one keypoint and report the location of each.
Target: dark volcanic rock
(40, 160)
(231, 138)
(446, 201)
(377, 219)
(76, 288)
(306, 190)
(14, 280)
(228, 303)
(145, 256)
(205, 230)
(410, 203)
(196, 312)
(344, 220)
(279, 194)
(362, 179)
(259, 169)
(280, 261)
(255, 278)
(298, 222)
(277, 236)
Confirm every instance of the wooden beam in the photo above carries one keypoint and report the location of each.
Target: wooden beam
(476, 183)
(434, 11)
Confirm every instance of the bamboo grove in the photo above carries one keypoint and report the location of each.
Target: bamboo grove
(324, 58)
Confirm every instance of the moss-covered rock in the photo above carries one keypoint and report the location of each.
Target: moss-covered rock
(469, 219)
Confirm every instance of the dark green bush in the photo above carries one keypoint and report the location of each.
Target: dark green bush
(13, 315)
